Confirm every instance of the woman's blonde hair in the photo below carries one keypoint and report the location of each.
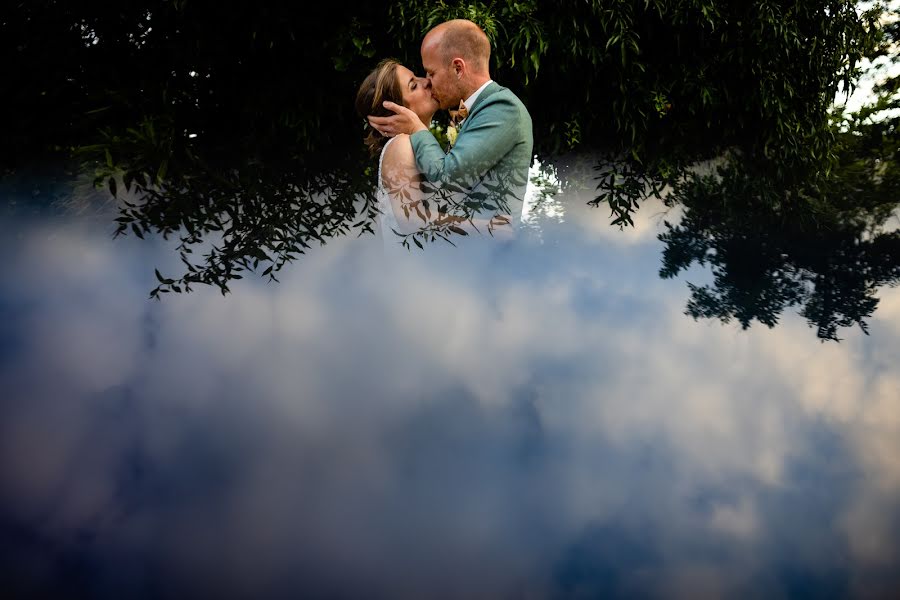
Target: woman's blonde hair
(378, 86)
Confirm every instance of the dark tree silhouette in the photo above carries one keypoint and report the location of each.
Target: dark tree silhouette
(233, 129)
(763, 264)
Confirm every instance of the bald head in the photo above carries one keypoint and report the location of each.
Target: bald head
(461, 39)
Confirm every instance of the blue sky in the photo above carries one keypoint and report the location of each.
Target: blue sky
(539, 416)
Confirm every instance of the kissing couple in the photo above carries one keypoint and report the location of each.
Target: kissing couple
(421, 187)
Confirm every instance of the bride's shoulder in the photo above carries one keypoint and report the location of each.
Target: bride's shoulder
(398, 166)
(399, 149)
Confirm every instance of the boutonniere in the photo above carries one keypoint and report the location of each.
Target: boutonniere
(452, 132)
(456, 119)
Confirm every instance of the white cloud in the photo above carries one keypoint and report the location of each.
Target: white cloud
(462, 412)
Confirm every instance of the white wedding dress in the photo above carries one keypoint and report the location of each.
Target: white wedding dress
(387, 220)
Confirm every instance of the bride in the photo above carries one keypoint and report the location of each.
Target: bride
(408, 203)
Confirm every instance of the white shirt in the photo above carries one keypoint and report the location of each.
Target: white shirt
(470, 101)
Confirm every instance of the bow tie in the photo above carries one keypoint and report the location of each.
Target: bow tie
(459, 115)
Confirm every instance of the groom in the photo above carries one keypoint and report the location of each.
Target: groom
(492, 152)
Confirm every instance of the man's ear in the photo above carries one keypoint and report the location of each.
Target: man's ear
(459, 65)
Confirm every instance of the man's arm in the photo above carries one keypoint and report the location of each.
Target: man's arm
(489, 136)
(409, 197)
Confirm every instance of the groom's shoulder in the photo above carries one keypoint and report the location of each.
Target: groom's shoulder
(496, 91)
(500, 94)
(504, 97)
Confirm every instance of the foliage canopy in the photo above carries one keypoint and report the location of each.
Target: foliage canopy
(233, 127)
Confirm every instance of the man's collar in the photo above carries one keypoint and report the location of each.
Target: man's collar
(470, 101)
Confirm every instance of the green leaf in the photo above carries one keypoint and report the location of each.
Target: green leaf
(161, 172)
